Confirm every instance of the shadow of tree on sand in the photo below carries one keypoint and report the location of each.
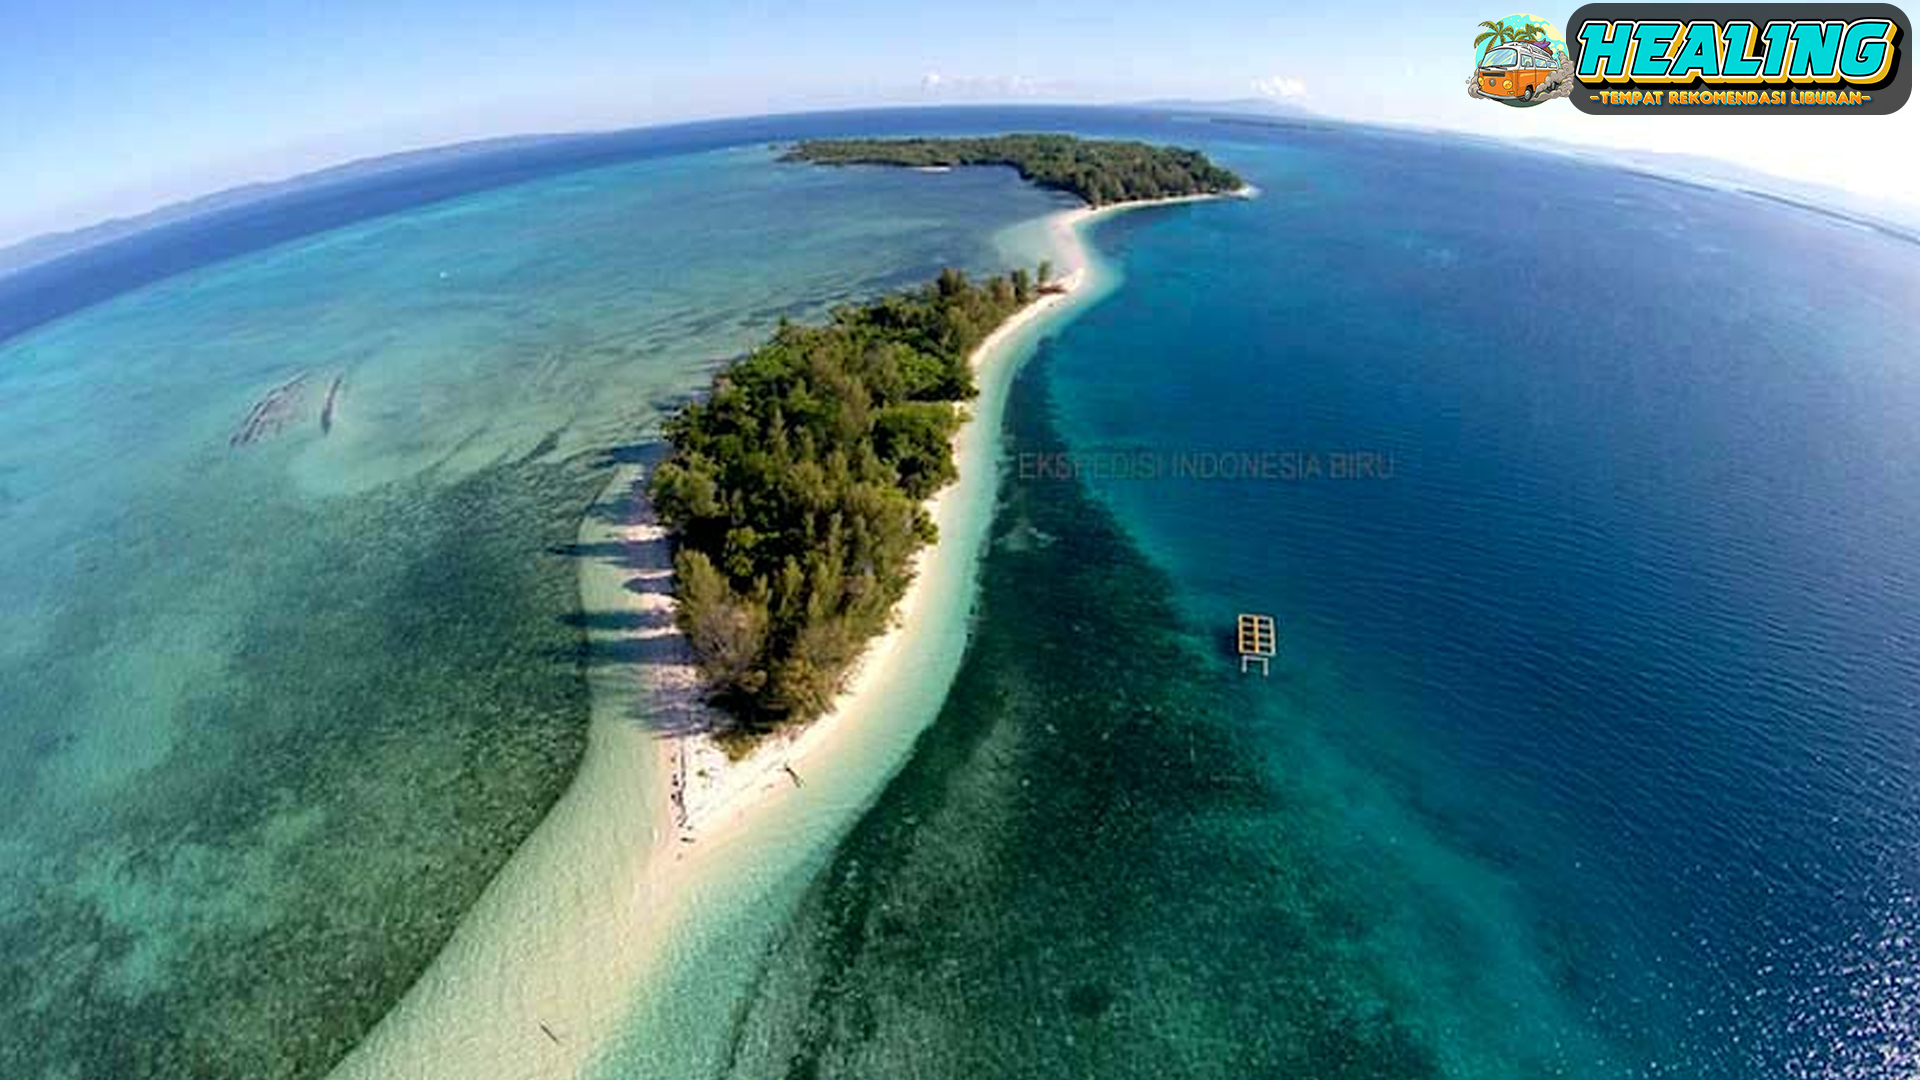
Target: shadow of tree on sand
(637, 643)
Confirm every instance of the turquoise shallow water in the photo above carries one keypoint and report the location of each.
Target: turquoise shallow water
(1590, 750)
(276, 711)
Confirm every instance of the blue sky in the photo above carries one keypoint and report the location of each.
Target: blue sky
(116, 107)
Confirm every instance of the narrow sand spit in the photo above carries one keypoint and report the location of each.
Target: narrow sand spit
(541, 971)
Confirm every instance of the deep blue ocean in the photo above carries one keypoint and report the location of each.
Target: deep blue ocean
(1620, 665)
(1588, 505)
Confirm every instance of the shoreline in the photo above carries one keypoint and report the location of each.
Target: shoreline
(539, 974)
(710, 789)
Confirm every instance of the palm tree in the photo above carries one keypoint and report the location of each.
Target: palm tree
(1497, 34)
(1536, 34)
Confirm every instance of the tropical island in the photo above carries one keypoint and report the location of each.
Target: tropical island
(794, 494)
(1101, 171)
(794, 491)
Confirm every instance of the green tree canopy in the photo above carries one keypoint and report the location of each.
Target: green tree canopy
(794, 490)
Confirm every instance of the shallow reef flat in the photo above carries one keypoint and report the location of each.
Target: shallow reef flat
(331, 804)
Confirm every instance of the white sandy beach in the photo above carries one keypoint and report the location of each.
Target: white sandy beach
(550, 960)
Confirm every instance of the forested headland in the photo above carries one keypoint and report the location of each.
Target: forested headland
(1101, 171)
(795, 490)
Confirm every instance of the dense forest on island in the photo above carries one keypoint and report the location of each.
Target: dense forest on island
(795, 490)
(1101, 171)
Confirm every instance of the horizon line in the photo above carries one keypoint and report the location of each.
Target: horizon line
(181, 210)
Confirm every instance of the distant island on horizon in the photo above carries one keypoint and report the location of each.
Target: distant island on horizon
(1101, 171)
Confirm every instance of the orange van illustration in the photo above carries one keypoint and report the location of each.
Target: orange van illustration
(1518, 69)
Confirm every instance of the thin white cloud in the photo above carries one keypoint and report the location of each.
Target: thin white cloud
(1281, 87)
(937, 84)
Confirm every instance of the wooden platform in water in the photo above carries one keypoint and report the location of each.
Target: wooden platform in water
(1257, 640)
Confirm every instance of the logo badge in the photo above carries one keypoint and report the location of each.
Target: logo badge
(1521, 60)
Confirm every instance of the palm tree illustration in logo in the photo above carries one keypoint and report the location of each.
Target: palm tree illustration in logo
(1499, 33)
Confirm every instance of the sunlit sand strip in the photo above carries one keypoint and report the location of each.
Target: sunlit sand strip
(555, 954)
